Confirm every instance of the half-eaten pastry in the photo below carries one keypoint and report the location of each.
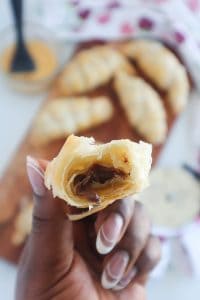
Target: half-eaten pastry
(91, 176)
(62, 117)
(143, 107)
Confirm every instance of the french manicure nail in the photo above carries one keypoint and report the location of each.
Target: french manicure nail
(36, 176)
(114, 269)
(109, 233)
(126, 279)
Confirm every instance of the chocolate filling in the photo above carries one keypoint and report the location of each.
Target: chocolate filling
(83, 183)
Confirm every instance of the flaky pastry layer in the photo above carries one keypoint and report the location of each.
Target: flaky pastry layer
(106, 171)
(143, 107)
(163, 68)
(65, 116)
(91, 68)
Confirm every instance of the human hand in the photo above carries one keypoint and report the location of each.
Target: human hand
(107, 256)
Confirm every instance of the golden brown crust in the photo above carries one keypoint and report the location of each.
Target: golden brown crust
(62, 117)
(163, 68)
(80, 153)
(178, 92)
(143, 107)
(91, 68)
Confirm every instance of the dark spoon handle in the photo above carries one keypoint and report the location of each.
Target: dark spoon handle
(192, 171)
(17, 9)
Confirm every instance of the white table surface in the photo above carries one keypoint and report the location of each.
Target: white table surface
(16, 113)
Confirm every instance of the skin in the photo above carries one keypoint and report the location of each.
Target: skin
(60, 260)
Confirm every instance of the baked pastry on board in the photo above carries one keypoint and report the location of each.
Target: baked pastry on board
(143, 107)
(65, 116)
(163, 68)
(92, 176)
(90, 69)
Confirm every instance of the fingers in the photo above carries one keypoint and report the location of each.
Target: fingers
(112, 223)
(134, 256)
(132, 243)
(149, 257)
(137, 234)
(126, 279)
(45, 206)
(115, 269)
(137, 292)
(51, 231)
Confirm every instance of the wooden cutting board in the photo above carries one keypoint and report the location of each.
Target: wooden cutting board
(14, 185)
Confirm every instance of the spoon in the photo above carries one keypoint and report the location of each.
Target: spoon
(21, 61)
(193, 172)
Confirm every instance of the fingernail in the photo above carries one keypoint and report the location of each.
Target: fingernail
(114, 269)
(126, 280)
(109, 233)
(36, 176)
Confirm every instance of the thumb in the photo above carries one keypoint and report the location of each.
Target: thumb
(51, 239)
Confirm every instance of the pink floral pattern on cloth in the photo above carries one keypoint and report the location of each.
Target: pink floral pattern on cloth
(104, 18)
(194, 5)
(113, 4)
(179, 37)
(146, 23)
(175, 22)
(126, 28)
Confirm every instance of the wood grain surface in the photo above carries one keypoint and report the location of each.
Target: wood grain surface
(14, 185)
